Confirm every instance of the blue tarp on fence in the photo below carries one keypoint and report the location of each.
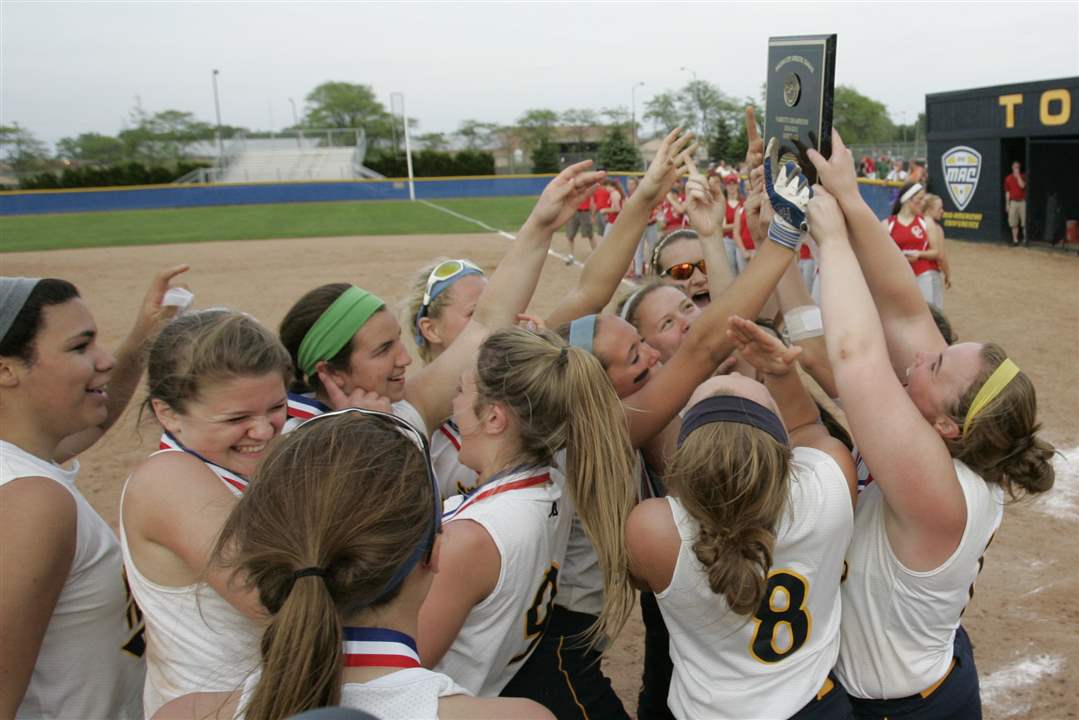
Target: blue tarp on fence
(879, 197)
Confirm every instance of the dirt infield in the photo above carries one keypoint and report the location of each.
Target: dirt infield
(1024, 615)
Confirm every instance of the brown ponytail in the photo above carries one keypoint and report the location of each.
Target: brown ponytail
(1002, 444)
(343, 495)
(563, 399)
(732, 479)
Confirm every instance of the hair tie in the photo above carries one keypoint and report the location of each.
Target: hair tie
(309, 572)
(563, 355)
(992, 387)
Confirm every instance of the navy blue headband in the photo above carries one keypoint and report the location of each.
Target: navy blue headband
(732, 408)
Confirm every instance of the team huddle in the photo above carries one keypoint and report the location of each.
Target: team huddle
(322, 527)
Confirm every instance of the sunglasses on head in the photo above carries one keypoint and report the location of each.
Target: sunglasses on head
(684, 271)
(447, 271)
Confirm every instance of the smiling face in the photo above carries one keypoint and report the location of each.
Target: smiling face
(664, 317)
(378, 360)
(629, 360)
(64, 385)
(467, 421)
(461, 299)
(936, 381)
(687, 250)
(232, 421)
(935, 209)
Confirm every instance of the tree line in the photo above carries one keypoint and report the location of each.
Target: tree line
(157, 144)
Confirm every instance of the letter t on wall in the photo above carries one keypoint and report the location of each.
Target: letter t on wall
(1009, 102)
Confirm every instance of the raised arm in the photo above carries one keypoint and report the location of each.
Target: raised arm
(701, 211)
(801, 316)
(509, 290)
(906, 320)
(706, 345)
(604, 269)
(775, 363)
(911, 464)
(130, 359)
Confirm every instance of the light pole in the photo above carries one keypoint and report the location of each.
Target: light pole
(217, 111)
(633, 109)
(295, 118)
(408, 145)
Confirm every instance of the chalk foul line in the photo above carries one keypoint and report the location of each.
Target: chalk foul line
(508, 236)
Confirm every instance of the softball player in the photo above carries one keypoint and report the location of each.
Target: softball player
(745, 556)
(529, 396)
(343, 481)
(217, 386)
(916, 236)
(967, 418)
(71, 642)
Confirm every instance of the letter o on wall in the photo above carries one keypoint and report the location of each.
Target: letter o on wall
(1065, 113)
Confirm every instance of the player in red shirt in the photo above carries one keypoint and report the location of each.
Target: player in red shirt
(1015, 201)
(580, 220)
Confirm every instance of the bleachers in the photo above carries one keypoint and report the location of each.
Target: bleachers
(308, 163)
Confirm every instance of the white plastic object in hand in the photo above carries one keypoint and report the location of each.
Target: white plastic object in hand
(178, 297)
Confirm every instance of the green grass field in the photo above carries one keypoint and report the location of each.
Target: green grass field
(256, 222)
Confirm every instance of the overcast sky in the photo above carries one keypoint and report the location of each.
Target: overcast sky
(69, 67)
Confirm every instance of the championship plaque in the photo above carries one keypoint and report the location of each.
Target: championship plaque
(801, 87)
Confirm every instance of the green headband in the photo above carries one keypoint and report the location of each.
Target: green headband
(336, 326)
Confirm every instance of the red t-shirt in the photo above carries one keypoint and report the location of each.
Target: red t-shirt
(611, 217)
(747, 237)
(1011, 186)
(913, 237)
(672, 219)
(602, 197)
(804, 252)
(585, 205)
(729, 219)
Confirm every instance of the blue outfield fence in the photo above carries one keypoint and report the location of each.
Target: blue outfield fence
(877, 194)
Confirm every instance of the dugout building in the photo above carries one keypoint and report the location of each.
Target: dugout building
(973, 136)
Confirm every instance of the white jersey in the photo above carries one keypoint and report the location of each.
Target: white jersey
(899, 625)
(770, 664)
(90, 661)
(580, 583)
(303, 407)
(408, 694)
(527, 515)
(196, 640)
(453, 477)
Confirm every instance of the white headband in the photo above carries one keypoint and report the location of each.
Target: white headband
(911, 192)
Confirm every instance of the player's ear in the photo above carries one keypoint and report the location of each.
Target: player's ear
(169, 418)
(429, 331)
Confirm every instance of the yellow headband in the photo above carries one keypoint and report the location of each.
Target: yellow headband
(999, 380)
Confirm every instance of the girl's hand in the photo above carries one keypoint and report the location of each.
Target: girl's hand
(152, 313)
(826, 219)
(563, 194)
(668, 165)
(358, 398)
(837, 173)
(700, 205)
(761, 349)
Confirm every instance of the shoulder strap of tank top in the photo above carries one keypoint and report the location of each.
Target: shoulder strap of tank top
(235, 482)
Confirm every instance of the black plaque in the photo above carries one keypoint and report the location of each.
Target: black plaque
(801, 89)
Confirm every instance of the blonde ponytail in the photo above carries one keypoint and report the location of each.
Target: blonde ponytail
(563, 399)
(601, 468)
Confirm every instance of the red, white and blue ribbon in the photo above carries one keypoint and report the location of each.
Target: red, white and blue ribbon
(236, 482)
(304, 407)
(379, 647)
(508, 482)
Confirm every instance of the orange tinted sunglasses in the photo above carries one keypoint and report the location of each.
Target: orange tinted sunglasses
(684, 271)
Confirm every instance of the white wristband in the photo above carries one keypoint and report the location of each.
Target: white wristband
(803, 322)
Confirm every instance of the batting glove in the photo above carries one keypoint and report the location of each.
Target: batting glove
(789, 193)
